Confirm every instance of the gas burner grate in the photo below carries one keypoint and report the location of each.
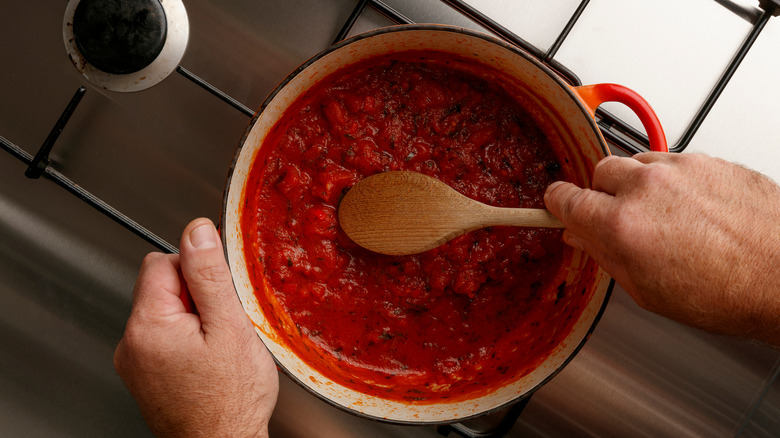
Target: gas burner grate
(614, 130)
(38, 166)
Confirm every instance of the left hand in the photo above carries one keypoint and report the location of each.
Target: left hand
(195, 375)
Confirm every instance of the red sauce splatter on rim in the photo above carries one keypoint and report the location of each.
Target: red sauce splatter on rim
(450, 323)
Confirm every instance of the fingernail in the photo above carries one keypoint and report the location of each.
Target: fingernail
(203, 237)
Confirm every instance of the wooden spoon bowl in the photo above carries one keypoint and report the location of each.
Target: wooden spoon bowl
(398, 213)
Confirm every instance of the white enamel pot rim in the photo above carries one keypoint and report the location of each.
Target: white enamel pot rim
(574, 124)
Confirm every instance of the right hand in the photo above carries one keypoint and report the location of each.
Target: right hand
(690, 237)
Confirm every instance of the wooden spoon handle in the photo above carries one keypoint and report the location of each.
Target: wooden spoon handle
(524, 217)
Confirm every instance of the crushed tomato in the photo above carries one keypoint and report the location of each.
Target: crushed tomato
(480, 311)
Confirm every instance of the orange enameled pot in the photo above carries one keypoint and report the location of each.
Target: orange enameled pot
(565, 114)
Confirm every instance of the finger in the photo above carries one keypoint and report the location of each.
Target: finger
(207, 274)
(585, 213)
(596, 249)
(582, 211)
(653, 157)
(613, 172)
(157, 289)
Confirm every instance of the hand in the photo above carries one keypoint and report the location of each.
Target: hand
(693, 238)
(195, 375)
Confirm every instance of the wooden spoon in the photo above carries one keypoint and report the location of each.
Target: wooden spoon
(400, 213)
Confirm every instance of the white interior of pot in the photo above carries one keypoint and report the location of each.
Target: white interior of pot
(566, 122)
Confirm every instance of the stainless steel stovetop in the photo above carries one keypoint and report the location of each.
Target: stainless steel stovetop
(161, 156)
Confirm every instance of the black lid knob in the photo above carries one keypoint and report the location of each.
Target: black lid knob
(120, 36)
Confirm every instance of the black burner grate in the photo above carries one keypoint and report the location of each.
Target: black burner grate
(615, 130)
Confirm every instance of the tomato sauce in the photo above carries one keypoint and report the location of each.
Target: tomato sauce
(480, 311)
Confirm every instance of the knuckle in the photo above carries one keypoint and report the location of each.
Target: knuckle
(152, 258)
(571, 205)
(576, 206)
(605, 163)
(143, 347)
(127, 352)
(130, 341)
(654, 176)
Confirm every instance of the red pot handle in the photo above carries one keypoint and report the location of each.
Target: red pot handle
(595, 95)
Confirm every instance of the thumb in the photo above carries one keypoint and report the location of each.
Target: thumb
(207, 275)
